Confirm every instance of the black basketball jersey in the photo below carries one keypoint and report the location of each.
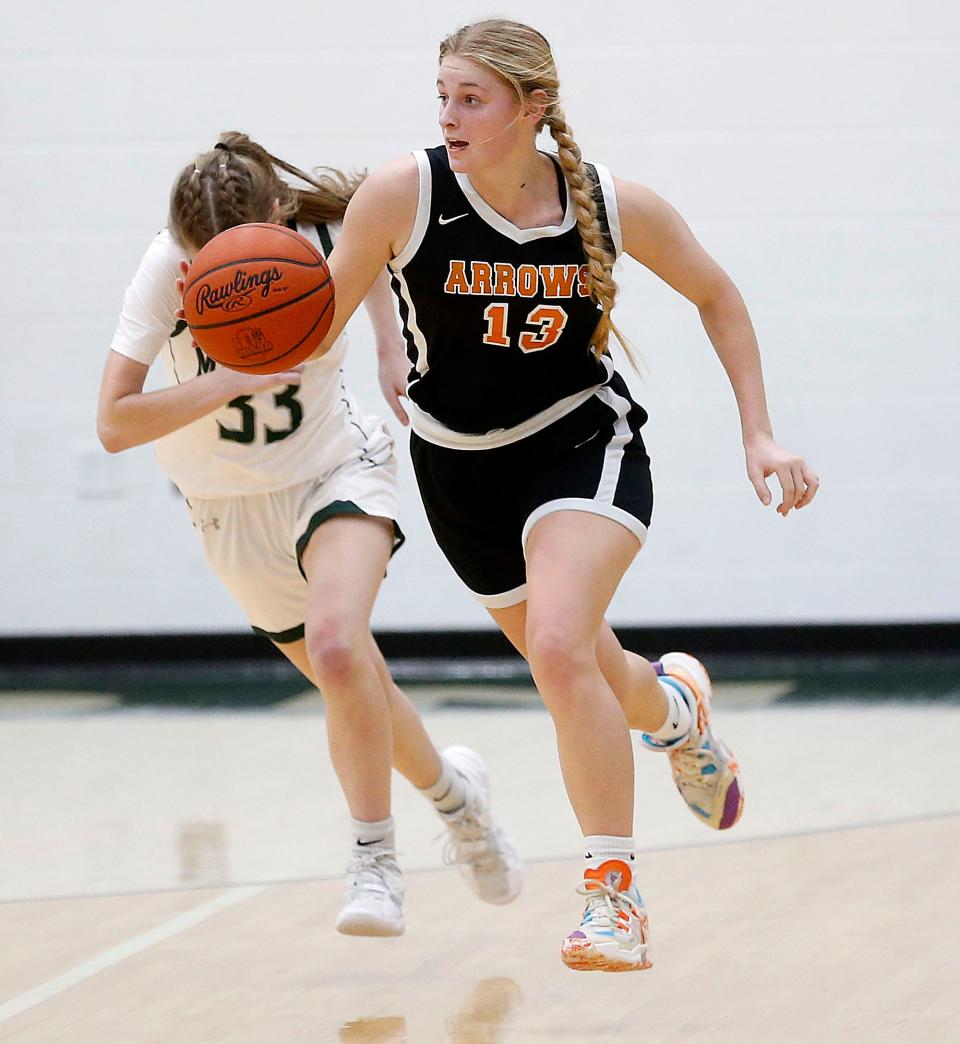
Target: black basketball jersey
(497, 319)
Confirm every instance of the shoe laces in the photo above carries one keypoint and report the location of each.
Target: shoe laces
(368, 870)
(604, 903)
(470, 840)
(689, 762)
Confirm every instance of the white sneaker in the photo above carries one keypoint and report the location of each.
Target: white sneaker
(704, 769)
(483, 852)
(374, 903)
(614, 933)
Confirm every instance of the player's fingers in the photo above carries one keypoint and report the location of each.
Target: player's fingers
(799, 486)
(755, 474)
(785, 478)
(184, 265)
(812, 483)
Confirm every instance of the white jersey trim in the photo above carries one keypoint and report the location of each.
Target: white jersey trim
(507, 228)
(412, 325)
(431, 430)
(610, 202)
(591, 507)
(422, 220)
(504, 600)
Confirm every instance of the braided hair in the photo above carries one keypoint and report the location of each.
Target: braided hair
(237, 181)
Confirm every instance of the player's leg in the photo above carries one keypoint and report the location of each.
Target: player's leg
(632, 678)
(454, 781)
(414, 755)
(668, 702)
(574, 562)
(459, 791)
(343, 561)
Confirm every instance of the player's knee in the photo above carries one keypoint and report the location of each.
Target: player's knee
(336, 653)
(556, 656)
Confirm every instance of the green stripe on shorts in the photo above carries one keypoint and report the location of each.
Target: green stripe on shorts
(294, 634)
(340, 507)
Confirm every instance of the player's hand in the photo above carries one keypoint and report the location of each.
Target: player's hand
(392, 374)
(797, 479)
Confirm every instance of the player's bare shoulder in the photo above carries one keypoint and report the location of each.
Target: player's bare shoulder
(387, 200)
(647, 220)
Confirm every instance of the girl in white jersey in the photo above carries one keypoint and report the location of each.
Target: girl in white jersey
(541, 501)
(292, 490)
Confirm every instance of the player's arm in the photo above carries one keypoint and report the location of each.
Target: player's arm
(377, 224)
(392, 363)
(127, 416)
(658, 237)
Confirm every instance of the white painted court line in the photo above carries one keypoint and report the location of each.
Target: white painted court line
(120, 953)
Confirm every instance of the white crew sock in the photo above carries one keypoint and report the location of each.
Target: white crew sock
(369, 835)
(449, 793)
(677, 723)
(605, 851)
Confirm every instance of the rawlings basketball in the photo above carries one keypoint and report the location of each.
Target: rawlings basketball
(258, 298)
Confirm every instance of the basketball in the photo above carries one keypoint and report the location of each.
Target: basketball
(258, 298)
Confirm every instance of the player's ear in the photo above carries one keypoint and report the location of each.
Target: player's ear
(535, 105)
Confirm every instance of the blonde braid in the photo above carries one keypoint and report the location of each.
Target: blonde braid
(600, 282)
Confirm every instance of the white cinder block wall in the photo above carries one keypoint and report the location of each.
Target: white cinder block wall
(813, 148)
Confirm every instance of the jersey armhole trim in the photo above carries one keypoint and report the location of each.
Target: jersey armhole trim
(423, 214)
(610, 202)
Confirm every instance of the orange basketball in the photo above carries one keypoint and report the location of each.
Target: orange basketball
(258, 298)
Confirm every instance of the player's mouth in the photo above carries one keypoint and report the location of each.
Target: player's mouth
(455, 144)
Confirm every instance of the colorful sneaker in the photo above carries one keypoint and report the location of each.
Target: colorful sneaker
(612, 936)
(483, 852)
(704, 768)
(374, 903)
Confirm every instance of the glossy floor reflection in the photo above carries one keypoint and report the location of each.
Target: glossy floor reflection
(483, 1018)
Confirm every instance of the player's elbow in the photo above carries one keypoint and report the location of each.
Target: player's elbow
(110, 435)
(717, 295)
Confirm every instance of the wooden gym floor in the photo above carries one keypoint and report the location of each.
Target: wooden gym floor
(172, 876)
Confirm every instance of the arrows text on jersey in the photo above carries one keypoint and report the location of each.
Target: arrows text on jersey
(507, 280)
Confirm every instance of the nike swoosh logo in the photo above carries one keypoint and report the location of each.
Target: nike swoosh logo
(364, 844)
(446, 221)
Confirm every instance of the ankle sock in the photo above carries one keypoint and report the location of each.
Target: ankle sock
(449, 793)
(677, 723)
(368, 835)
(609, 859)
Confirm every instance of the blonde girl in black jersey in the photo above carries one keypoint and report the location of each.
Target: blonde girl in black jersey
(542, 518)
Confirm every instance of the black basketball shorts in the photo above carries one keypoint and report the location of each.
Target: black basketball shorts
(482, 504)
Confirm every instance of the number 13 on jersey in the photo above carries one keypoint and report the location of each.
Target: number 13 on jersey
(549, 320)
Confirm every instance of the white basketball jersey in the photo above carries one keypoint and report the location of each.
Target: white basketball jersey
(256, 443)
